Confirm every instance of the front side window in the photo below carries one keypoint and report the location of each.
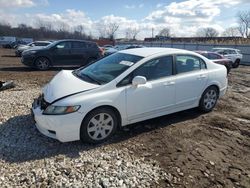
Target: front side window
(188, 63)
(107, 69)
(151, 70)
(156, 68)
(63, 45)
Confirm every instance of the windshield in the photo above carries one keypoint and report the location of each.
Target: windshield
(107, 69)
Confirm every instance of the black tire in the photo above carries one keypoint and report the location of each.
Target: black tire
(209, 99)
(228, 69)
(42, 63)
(92, 133)
(236, 63)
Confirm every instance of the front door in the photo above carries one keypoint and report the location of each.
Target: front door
(157, 95)
(62, 53)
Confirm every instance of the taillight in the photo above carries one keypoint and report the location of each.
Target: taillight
(101, 51)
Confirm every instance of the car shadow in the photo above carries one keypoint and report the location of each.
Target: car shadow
(20, 141)
(10, 56)
(30, 69)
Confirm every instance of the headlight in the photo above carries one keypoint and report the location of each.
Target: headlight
(29, 52)
(60, 110)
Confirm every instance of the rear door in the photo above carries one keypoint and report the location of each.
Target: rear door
(61, 54)
(79, 53)
(191, 79)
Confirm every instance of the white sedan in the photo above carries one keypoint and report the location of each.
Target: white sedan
(133, 85)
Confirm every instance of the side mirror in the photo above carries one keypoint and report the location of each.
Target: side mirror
(139, 80)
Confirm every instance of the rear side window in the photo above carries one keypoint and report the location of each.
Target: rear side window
(78, 45)
(91, 45)
(188, 63)
(232, 52)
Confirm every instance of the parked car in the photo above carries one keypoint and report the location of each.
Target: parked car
(217, 58)
(129, 86)
(230, 53)
(134, 46)
(108, 46)
(5, 41)
(38, 44)
(17, 42)
(109, 51)
(63, 52)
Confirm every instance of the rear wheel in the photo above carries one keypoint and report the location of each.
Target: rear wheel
(99, 125)
(42, 63)
(228, 69)
(236, 63)
(209, 99)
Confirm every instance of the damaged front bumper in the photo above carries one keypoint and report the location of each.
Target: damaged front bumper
(64, 128)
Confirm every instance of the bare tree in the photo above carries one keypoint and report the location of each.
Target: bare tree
(165, 32)
(131, 33)
(231, 32)
(44, 25)
(79, 29)
(112, 29)
(244, 23)
(208, 32)
(102, 30)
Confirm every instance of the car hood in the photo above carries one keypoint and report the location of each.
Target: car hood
(65, 84)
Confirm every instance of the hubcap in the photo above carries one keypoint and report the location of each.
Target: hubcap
(42, 63)
(100, 126)
(210, 99)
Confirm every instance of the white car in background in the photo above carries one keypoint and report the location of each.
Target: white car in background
(129, 86)
(230, 53)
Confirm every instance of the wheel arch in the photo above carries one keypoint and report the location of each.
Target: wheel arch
(44, 56)
(213, 85)
(114, 109)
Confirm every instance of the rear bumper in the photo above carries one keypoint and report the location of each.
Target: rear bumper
(223, 91)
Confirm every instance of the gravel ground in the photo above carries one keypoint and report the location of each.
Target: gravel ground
(28, 158)
(185, 149)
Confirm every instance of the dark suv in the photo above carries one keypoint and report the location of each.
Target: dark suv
(63, 52)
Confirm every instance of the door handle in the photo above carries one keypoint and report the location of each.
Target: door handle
(169, 83)
(201, 76)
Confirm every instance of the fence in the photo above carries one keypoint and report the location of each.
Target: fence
(245, 49)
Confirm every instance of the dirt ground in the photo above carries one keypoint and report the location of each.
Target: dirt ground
(199, 150)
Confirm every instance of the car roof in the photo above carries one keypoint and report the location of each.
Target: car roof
(225, 49)
(206, 52)
(43, 41)
(145, 52)
(75, 40)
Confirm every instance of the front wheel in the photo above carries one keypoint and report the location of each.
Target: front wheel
(42, 63)
(209, 99)
(98, 126)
